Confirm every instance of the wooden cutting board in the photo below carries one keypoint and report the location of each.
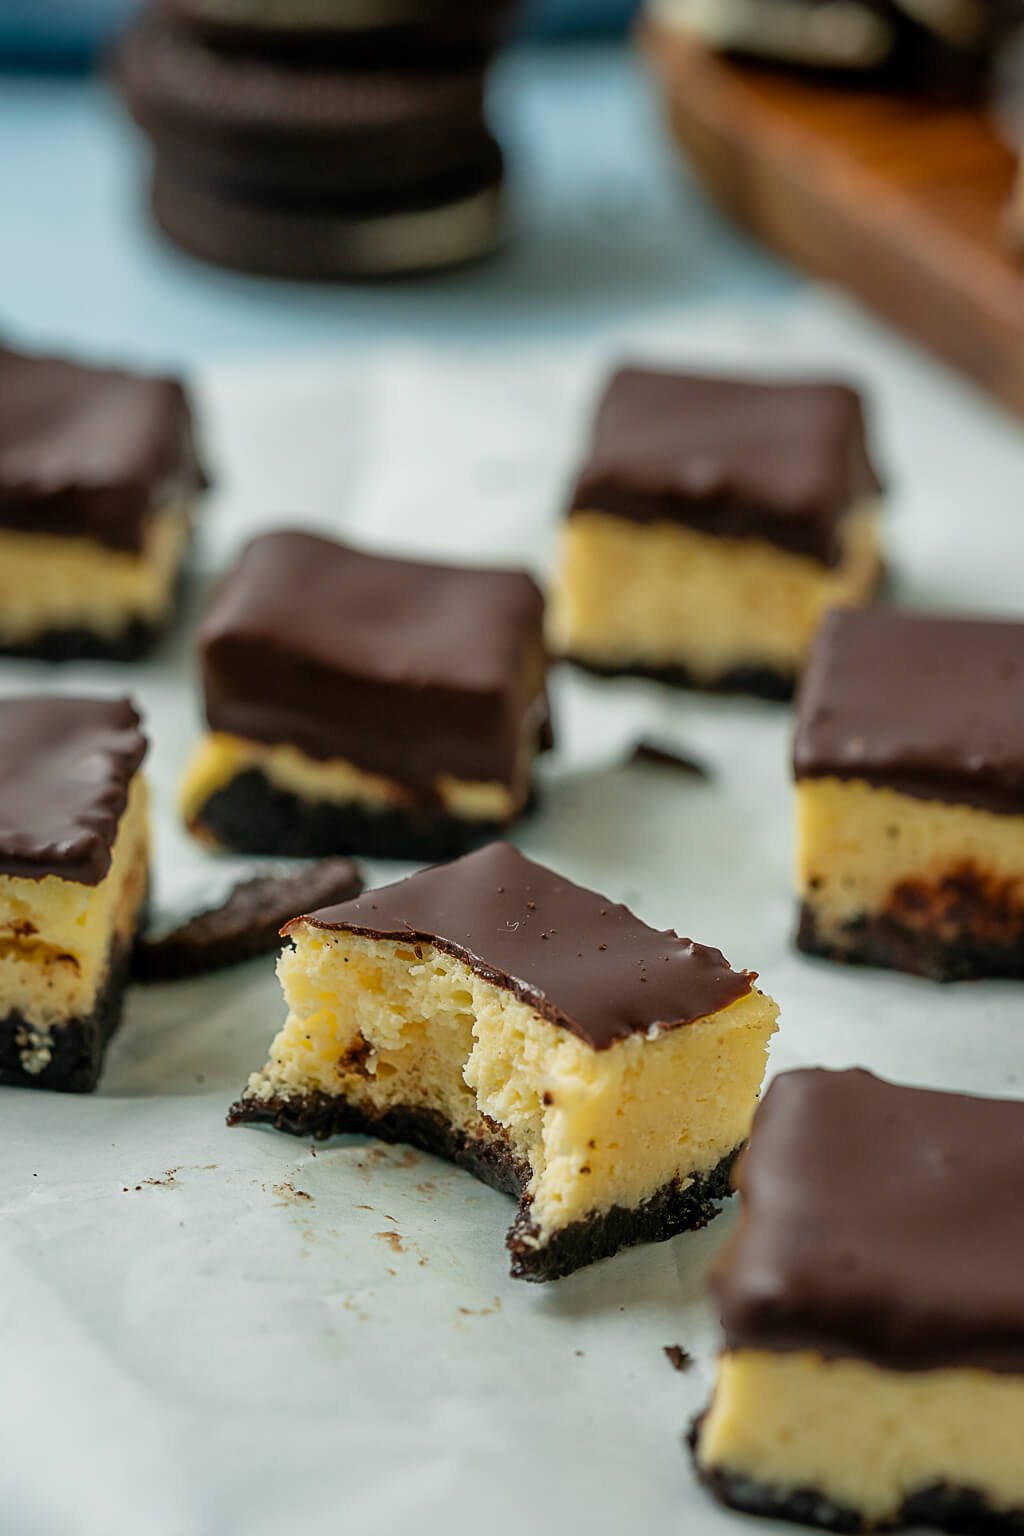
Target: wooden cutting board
(899, 200)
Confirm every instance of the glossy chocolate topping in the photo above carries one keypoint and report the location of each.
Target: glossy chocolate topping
(880, 1223)
(90, 452)
(779, 462)
(66, 765)
(580, 960)
(406, 670)
(932, 707)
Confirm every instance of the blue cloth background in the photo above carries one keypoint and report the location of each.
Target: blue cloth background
(70, 30)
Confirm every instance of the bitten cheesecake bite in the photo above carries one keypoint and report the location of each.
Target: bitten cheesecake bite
(74, 877)
(534, 1033)
(909, 762)
(98, 476)
(358, 704)
(872, 1374)
(714, 523)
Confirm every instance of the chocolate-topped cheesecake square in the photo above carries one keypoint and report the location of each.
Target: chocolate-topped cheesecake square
(713, 524)
(536, 1033)
(74, 876)
(98, 474)
(872, 1373)
(357, 703)
(909, 761)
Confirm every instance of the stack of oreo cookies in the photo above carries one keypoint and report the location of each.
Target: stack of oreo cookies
(320, 139)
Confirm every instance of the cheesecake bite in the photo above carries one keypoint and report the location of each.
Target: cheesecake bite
(534, 1033)
(909, 763)
(872, 1374)
(714, 523)
(358, 704)
(98, 477)
(74, 878)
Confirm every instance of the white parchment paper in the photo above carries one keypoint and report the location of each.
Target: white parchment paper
(206, 1331)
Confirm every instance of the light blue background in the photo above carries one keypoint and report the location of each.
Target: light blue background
(608, 227)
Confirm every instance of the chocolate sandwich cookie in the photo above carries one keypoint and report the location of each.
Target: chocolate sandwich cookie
(247, 923)
(537, 1034)
(420, 33)
(358, 704)
(909, 762)
(714, 522)
(98, 478)
(307, 170)
(872, 1374)
(74, 878)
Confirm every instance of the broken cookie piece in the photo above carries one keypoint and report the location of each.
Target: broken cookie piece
(246, 924)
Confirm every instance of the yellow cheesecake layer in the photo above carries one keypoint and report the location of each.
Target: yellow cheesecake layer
(864, 1437)
(662, 595)
(51, 583)
(857, 845)
(57, 936)
(387, 1025)
(219, 759)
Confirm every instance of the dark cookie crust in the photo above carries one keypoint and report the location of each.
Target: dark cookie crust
(670, 1211)
(133, 642)
(79, 1046)
(251, 815)
(760, 682)
(940, 1508)
(885, 941)
(321, 1116)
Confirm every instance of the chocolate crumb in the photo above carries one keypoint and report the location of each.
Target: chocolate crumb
(678, 1358)
(668, 757)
